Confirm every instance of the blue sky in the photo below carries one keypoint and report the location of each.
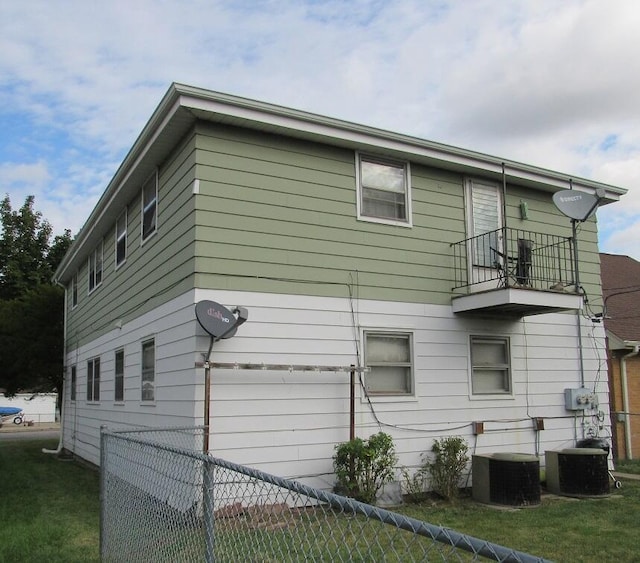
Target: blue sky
(548, 83)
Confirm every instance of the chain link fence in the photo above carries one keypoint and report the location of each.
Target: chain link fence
(164, 500)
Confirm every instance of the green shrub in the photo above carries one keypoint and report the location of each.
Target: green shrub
(362, 467)
(447, 466)
(414, 484)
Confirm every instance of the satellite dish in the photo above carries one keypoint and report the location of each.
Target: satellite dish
(216, 319)
(576, 205)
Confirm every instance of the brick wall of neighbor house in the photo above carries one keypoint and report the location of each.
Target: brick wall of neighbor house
(633, 384)
(617, 405)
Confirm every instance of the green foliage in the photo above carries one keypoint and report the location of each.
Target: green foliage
(446, 468)
(628, 466)
(362, 467)
(31, 307)
(414, 484)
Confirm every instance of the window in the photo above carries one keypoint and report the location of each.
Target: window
(95, 268)
(74, 290)
(119, 377)
(484, 216)
(490, 365)
(388, 356)
(93, 379)
(149, 206)
(383, 190)
(121, 238)
(73, 383)
(148, 370)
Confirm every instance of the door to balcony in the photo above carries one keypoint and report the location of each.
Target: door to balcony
(484, 217)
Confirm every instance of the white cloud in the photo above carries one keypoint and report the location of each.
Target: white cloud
(548, 83)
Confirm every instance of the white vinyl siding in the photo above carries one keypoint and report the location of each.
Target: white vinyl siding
(288, 422)
(490, 365)
(148, 376)
(150, 206)
(388, 357)
(383, 190)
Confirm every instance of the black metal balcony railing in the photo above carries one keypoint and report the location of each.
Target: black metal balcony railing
(514, 258)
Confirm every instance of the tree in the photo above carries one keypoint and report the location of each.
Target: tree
(23, 249)
(31, 306)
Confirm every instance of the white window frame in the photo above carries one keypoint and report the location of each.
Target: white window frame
(388, 394)
(96, 267)
(93, 380)
(145, 208)
(148, 373)
(475, 370)
(118, 376)
(121, 236)
(406, 169)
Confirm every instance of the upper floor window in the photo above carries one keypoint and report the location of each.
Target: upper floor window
(119, 377)
(150, 206)
(148, 381)
(388, 355)
(95, 268)
(383, 191)
(74, 290)
(490, 365)
(93, 379)
(121, 238)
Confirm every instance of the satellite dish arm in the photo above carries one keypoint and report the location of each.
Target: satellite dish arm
(243, 315)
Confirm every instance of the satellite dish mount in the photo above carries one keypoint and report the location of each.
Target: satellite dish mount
(219, 323)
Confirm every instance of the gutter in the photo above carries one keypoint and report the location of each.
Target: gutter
(625, 394)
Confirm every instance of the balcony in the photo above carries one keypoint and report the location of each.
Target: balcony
(514, 273)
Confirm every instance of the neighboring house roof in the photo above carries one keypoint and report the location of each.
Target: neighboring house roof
(183, 105)
(621, 293)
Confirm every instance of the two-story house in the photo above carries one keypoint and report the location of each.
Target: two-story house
(448, 273)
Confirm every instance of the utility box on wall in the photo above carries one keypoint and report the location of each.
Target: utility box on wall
(580, 399)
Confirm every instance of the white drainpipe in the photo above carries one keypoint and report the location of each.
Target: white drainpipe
(62, 391)
(625, 396)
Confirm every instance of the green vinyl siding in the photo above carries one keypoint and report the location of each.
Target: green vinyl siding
(278, 214)
(154, 272)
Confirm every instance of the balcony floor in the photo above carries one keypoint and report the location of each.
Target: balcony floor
(515, 302)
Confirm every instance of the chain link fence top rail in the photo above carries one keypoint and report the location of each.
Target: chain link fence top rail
(164, 500)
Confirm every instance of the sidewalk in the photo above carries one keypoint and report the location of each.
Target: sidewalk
(9, 426)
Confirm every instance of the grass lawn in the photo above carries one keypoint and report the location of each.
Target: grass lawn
(50, 508)
(51, 512)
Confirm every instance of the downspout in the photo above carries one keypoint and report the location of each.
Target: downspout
(625, 397)
(62, 391)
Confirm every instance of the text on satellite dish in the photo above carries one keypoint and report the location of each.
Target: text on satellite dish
(572, 198)
(217, 315)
